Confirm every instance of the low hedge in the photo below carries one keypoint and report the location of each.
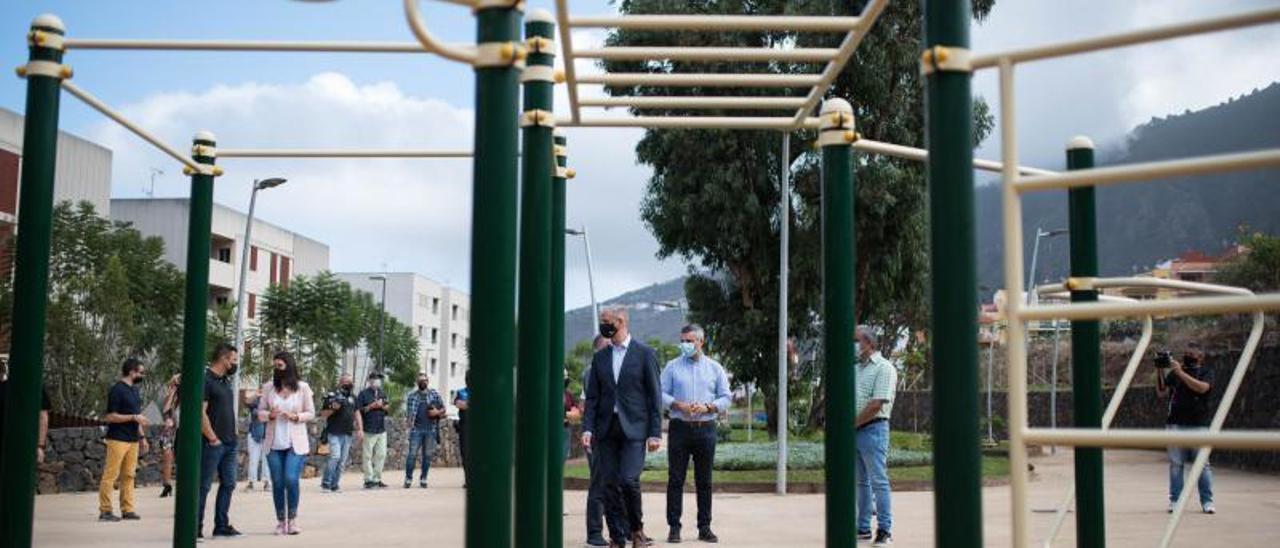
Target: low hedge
(764, 456)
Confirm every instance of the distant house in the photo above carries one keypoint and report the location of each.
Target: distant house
(1190, 266)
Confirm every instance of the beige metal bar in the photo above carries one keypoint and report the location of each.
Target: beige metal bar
(1191, 306)
(698, 80)
(847, 46)
(462, 53)
(1012, 208)
(1139, 281)
(921, 155)
(1153, 439)
(1102, 176)
(1129, 38)
(689, 122)
(627, 53)
(339, 153)
(566, 48)
(244, 45)
(717, 22)
(99, 106)
(744, 103)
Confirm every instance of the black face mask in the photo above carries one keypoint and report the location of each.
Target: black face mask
(231, 370)
(422, 386)
(608, 330)
(348, 387)
(1190, 361)
(278, 376)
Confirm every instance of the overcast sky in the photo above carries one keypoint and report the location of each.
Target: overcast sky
(414, 215)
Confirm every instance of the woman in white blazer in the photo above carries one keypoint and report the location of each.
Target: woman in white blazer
(287, 405)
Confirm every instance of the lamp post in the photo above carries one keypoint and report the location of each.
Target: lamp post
(244, 273)
(382, 318)
(1031, 284)
(1035, 255)
(586, 243)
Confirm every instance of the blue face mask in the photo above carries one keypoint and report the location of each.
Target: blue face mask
(857, 350)
(687, 349)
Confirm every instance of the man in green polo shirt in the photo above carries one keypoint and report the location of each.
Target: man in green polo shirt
(877, 383)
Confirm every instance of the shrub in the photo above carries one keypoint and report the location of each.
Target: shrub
(764, 456)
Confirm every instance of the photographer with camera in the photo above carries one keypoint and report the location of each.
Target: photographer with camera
(342, 422)
(1188, 385)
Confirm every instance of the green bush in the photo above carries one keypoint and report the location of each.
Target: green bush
(764, 456)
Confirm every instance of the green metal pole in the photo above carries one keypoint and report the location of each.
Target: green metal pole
(954, 325)
(1086, 358)
(838, 260)
(534, 293)
(194, 320)
(555, 371)
(490, 431)
(31, 280)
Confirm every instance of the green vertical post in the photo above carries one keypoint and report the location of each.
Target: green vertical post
(555, 371)
(838, 260)
(533, 353)
(44, 75)
(953, 281)
(194, 320)
(490, 431)
(1086, 358)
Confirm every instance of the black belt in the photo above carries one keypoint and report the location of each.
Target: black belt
(872, 421)
(697, 424)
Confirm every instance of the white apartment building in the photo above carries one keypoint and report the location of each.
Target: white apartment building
(276, 255)
(82, 171)
(438, 315)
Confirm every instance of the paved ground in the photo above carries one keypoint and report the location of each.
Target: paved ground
(1248, 504)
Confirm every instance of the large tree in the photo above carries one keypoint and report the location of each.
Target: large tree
(111, 296)
(713, 197)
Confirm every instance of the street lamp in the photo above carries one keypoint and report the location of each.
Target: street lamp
(1031, 284)
(382, 318)
(586, 242)
(262, 184)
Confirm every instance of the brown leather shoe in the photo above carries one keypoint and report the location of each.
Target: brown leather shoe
(641, 540)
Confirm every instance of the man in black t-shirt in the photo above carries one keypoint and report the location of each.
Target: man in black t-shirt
(1188, 385)
(373, 410)
(342, 421)
(218, 452)
(125, 440)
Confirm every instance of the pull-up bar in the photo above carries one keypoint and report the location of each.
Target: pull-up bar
(339, 153)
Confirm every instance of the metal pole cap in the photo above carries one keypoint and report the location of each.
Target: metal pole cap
(1080, 142)
(205, 135)
(540, 16)
(48, 21)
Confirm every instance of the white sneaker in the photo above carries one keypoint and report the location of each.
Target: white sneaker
(1209, 509)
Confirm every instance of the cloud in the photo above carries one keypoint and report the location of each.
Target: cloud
(411, 215)
(1105, 94)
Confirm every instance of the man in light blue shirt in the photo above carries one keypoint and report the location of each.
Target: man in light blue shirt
(695, 389)
(873, 398)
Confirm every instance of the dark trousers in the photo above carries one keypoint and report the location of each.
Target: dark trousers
(685, 440)
(620, 462)
(217, 460)
(461, 427)
(595, 499)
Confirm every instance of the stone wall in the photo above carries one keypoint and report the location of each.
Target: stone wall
(73, 458)
(1254, 408)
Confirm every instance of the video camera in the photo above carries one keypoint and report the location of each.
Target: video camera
(1164, 359)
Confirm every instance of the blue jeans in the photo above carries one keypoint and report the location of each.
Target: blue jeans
(873, 476)
(339, 452)
(219, 460)
(425, 439)
(286, 468)
(1180, 458)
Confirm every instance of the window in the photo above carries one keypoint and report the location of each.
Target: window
(220, 300)
(419, 331)
(275, 272)
(253, 305)
(253, 258)
(435, 335)
(453, 369)
(224, 254)
(453, 315)
(285, 262)
(453, 340)
(433, 366)
(435, 305)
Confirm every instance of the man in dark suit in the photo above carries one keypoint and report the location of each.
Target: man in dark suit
(622, 417)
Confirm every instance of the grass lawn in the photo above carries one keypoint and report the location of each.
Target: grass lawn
(992, 467)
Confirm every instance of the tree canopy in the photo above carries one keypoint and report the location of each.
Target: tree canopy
(715, 205)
